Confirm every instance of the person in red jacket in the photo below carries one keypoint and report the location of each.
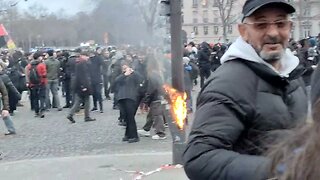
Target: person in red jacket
(36, 82)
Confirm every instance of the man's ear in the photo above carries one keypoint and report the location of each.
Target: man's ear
(243, 31)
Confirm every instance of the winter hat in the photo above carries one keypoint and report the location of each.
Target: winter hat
(312, 42)
(50, 52)
(36, 55)
(185, 60)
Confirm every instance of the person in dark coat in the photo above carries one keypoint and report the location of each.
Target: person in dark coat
(106, 72)
(204, 62)
(251, 99)
(304, 62)
(13, 93)
(82, 87)
(96, 64)
(128, 84)
(66, 73)
(296, 157)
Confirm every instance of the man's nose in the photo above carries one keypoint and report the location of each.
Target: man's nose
(272, 30)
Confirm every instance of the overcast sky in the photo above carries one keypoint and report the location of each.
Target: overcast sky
(71, 6)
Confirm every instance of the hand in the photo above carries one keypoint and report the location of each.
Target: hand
(128, 72)
(5, 113)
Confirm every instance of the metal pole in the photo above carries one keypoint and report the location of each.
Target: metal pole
(177, 69)
(176, 45)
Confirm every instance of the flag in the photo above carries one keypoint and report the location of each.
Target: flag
(11, 44)
(5, 39)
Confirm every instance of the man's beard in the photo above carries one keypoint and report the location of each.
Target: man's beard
(271, 57)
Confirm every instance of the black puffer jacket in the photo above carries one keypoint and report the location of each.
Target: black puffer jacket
(204, 56)
(82, 78)
(238, 113)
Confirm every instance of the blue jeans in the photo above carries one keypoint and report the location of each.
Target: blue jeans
(9, 124)
(53, 86)
(7, 121)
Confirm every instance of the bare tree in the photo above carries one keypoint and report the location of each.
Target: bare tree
(225, 8)
(148, 10)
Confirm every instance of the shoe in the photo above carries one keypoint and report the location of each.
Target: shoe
(115, 107)
(124, 139)
(71, 119)
(122, 123)
(133, 140)
(36, 115)
(59, 109)
(94, 109)
(157, 137)
(9, 133)
(19, 104)
(42, 115)
(108, 98)
(101, 111)
(143, 132)
(67, 106)
(89, 119)
(166, 125)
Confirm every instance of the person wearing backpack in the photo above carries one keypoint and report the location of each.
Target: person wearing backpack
(36, 78)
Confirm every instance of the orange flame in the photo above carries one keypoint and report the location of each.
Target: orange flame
(178, 105)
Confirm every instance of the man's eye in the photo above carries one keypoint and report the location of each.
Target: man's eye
(280, 24)
(261, 25)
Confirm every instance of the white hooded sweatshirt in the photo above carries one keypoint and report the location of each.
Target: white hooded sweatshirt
(241, 49)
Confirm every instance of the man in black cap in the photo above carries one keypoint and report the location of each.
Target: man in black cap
(250, 100)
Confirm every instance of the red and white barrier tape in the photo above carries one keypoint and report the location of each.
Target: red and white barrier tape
(138, 175)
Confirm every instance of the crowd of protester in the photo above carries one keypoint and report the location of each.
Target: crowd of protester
(82, 73)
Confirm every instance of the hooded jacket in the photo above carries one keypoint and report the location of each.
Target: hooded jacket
(243, 107)
(53, 68)
(42, 71)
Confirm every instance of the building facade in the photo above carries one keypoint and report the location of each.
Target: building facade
(202, 20)
(306, 19)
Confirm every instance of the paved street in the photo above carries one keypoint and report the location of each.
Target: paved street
(52, 148)
(54, 136)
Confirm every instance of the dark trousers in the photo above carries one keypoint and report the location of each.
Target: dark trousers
(38, 98)
(204, 74)
(155, 118)
(67, 89)
(106, 85)
(13, 101)
(129, 111)
(121, 111)
(96, 95)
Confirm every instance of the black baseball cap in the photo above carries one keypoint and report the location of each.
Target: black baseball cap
(252, 6)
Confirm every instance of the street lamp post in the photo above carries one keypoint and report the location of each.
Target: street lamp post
(177, 71)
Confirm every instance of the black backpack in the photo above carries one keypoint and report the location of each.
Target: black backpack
(34, 76)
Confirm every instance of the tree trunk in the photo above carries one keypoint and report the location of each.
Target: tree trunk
(224, 29)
